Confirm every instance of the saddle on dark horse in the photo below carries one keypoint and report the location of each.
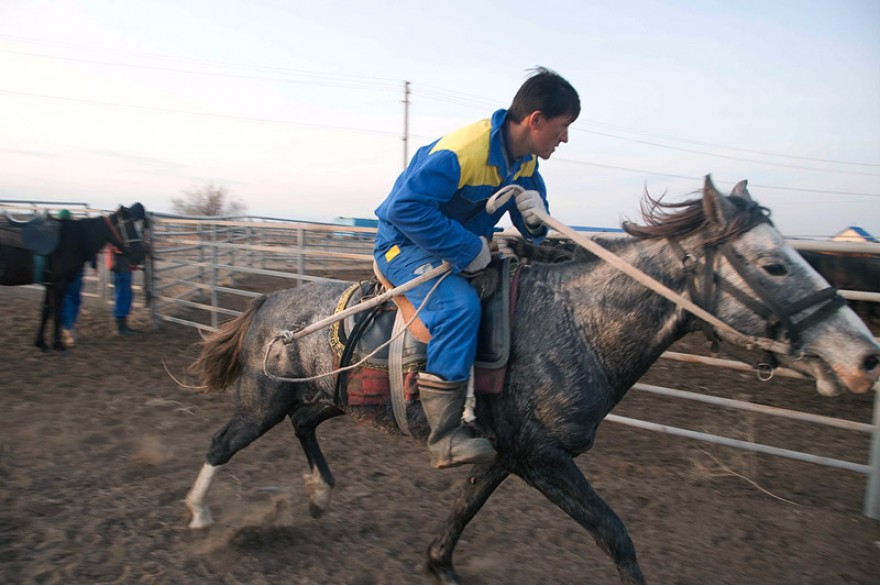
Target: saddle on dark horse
(39, 234)
(355, 338)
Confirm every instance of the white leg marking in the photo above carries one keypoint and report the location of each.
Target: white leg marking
(319, 492)
(195, 499)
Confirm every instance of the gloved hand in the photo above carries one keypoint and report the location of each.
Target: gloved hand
(482, 260)
(528, 202)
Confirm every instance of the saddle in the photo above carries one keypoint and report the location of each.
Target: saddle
(39, 234)
(355, 338)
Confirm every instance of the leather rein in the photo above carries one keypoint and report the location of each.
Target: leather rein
(704, 283)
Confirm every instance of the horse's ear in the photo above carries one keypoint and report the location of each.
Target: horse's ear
(741, 190)
(713, 203)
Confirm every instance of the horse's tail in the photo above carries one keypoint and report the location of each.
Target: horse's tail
(219, 363)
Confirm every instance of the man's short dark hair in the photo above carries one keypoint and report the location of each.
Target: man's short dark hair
(548, 92)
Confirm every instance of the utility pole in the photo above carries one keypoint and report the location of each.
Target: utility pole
(405, 123)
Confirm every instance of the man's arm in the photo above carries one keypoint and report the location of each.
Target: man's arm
(415, 211)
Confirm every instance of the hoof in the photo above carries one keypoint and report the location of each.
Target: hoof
(444, 575)
(319, 495)
(201, 517)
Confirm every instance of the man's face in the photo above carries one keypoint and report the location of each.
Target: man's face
(548, 133)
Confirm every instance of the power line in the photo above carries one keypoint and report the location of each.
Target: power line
(713, 145)
(326, 80)
(388, 133)
(391, 83)
(438, 94)
(674, 176)
(433, 92)
(204, 114)
(760, 162)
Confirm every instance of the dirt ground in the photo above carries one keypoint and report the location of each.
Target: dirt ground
(99, 447)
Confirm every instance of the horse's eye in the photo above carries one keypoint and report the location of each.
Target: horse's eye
(775, 269)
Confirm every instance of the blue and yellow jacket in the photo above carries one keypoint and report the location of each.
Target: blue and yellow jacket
(439, 202)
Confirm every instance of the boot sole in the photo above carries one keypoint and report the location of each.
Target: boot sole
(446, 464)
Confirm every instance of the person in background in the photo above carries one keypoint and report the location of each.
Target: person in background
(70, 309)
(118, 264)
(436, 212)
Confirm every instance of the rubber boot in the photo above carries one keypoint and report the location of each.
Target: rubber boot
(450, 443)
(122, 327)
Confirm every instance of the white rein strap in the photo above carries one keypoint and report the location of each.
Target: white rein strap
(290, 336)
(664, 291)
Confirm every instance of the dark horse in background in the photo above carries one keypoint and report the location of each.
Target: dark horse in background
(78, 240)
(582, 334)
(850, 271)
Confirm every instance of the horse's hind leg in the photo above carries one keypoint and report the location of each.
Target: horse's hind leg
(319, 481)
(560, 480)
(58, 290)
(248, 423)
(480, 484)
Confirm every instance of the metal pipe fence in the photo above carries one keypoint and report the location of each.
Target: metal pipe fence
(201, 272)
(297, 251)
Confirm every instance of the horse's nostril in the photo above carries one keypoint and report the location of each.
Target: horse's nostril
(871, 363)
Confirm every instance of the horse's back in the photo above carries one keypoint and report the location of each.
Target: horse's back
(295, 308)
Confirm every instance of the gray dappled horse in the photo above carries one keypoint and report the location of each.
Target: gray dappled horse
(583, 334)
(80, 240)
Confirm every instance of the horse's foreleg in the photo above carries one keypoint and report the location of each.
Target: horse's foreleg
(58, 291)
(480, 484)
(319, 481)
(44, 316)
(562, 482)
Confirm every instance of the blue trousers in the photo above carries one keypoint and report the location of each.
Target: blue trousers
(122, 282)
(452, 313)
(72, 299)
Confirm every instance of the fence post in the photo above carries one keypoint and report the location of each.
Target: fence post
(200, 277)
(214, 275)
(301, 247)
(252, 240)
(231, 238)
(150, 276)
(872, 493)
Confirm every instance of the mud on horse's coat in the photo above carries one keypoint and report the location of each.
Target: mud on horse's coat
(597, 331)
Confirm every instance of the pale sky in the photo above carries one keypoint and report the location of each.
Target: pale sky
(296, 106)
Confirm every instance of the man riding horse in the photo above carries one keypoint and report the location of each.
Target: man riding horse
(436, 212)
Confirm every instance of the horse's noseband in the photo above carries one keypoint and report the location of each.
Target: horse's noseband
(704, 288)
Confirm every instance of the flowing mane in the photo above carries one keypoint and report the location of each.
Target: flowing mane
(681, 219)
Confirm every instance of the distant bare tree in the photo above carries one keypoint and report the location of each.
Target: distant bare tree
(207, 200)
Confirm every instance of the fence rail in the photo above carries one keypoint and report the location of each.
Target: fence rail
(196, 265)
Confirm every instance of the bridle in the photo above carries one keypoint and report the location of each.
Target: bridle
(705, 283)
(119, 231)
(774, 312)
